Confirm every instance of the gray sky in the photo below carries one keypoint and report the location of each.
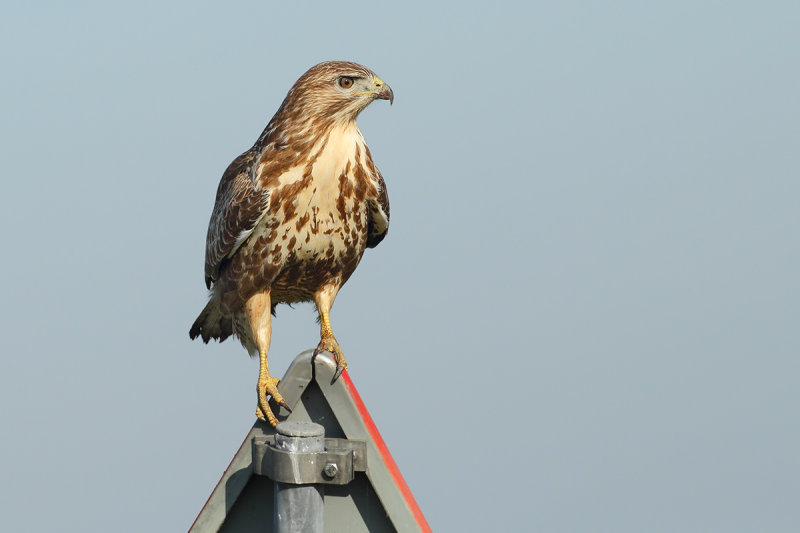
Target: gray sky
(584, 317)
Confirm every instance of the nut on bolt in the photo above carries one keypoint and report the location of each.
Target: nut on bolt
(330, 470)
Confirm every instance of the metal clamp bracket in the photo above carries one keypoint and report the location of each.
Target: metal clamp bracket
(337, 465)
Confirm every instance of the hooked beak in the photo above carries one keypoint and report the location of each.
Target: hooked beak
(382, 90)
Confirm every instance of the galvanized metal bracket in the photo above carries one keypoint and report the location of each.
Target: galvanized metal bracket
(337, 465)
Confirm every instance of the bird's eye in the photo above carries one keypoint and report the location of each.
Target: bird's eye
(345, 82)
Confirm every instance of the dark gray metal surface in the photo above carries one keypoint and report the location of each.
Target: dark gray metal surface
(371, 502)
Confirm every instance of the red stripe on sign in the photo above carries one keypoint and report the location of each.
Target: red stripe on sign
(384, 451)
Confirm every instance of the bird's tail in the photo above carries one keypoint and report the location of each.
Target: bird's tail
(211, 324)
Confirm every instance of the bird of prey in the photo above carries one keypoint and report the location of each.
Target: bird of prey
(293, 216)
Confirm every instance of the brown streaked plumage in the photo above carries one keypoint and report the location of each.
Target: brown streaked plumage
(294, 215)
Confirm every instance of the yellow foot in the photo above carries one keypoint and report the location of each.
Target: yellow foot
(269, 386)
(329, 344)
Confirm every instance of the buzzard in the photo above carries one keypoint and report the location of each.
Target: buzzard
(294, 215)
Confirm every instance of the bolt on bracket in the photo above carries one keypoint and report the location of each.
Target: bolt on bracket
(337, 465)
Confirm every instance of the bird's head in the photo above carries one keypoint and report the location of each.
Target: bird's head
(338, 89)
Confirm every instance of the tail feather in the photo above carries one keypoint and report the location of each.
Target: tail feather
(211, 324)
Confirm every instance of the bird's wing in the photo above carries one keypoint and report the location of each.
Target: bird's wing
(378, 222)
(240, 205)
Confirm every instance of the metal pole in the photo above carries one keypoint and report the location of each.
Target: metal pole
(299, 508)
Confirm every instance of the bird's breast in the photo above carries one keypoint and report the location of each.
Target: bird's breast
(317, 208)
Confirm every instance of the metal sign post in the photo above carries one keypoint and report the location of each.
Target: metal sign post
(299, 506)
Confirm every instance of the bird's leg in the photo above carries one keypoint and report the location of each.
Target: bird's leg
(258, 308)
(328, 343)
(324, 300)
